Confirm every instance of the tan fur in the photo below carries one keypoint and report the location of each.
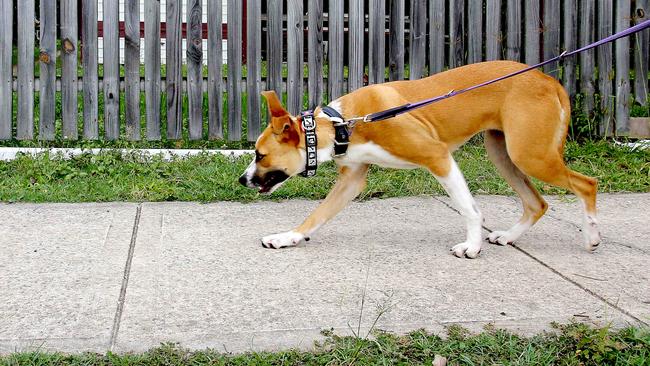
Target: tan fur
(526, 118)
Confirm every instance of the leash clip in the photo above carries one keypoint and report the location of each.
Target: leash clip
(338, 121)
(353, 121)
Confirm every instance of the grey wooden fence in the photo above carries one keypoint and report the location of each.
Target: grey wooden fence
(343, 45)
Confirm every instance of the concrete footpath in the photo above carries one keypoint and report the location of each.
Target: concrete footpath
(127, 276)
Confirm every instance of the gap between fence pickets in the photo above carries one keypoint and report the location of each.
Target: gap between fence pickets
(11, 153)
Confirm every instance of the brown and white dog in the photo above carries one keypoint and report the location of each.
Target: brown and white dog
(524, 118)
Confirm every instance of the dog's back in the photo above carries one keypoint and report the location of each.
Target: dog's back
(532, 99)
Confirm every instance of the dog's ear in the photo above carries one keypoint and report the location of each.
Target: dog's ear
(286, 129)
(281, 122)
(274, 104)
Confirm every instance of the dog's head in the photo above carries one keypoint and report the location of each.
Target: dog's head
(277, 151)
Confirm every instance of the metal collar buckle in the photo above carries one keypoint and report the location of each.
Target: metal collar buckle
(308, 123)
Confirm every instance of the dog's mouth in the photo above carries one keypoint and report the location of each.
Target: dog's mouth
(272, 181)
(264, 189)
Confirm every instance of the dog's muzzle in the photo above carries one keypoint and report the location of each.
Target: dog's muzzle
(267, 184)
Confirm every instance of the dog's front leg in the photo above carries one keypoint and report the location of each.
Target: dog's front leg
(351, 181)
(455, 185)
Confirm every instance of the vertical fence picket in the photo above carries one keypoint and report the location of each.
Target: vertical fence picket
(25, 116)
(132, 68)
(6, 47)
(254, 77)
(111, 71)
(47, 78)
(194, 42)
(90, 77)
(641, 53)
(274, 46)
(294, 55)
(586, 36)
(174, 79)
(336, 50)
(152, 67)
(622, 47)
(396, 40)
(570, 35)
(513, 30)
(474, 31)
(551, 34)
(417, 38)
(532, 31)
(69, 102)
(234, 70)
(456, 33)
(605, 72)
(493, 35)
(376, 39)
(436, 36)
(315, 50)
(356, 45)
(215, 96)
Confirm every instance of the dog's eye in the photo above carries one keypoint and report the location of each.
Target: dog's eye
(258, 156)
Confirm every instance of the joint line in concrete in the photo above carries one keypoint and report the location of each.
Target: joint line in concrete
(590, 292)
(125, 280)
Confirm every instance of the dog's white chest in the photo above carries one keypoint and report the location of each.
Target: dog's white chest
(371, 153)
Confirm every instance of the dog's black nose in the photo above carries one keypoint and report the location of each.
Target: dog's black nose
(242, 180)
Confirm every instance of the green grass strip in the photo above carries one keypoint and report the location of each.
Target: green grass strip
(573, 344)
(205, 178)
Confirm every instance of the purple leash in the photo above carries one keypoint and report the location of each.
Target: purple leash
(392, 112)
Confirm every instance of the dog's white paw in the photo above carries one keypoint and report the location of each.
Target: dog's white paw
(465, 249)
(282, 240)
(501, 237)
(591, 233)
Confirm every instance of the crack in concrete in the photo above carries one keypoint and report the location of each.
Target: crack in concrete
(125, 280)
(558, 273)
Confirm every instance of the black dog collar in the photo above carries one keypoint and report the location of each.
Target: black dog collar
(309, 126)
(341, 137)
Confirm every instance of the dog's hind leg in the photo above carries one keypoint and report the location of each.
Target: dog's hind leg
(551, 169)
(547, 164)
(535, 127)
(351, 181)
(533, 203)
